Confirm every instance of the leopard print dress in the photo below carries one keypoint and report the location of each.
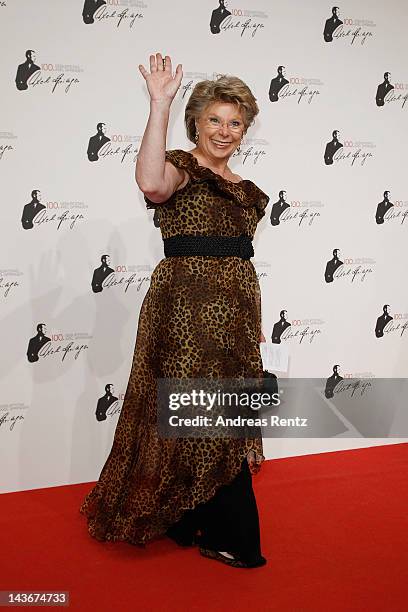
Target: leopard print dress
(200, 318)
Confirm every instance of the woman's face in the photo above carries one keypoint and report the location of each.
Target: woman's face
(221, 128)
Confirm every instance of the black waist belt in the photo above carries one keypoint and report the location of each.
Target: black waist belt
(212, 246)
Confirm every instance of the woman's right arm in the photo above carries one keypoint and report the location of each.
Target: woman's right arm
(157, 178)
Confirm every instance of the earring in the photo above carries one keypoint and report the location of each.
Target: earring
(239, 147)
(196, 136)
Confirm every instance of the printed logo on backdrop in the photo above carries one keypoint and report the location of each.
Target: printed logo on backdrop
(264, 272)
(101, 146)
(97, 141)
(9, 282)
(57, 345)
(337, 384)
(349, 30)
(37, 342)
(10, 414)
(6, 147)
(119, 13)
(354, 270)
(108, 405)
(332, 147)
(35, 213)
(122, 277)
(299, 213)
(297, 87)
(352, 152)
(332, 381)
(26, 70)
(391, 325)
(298, 330)
(101, 274)
(383, 207)
(332, 265)
(31, 75)
(359, 375)
(251, 151)
(389, 211)
(387, 93)
(242, 22)
(190, 79)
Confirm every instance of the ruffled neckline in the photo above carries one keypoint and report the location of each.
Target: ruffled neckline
(245, 192)
(200, 167)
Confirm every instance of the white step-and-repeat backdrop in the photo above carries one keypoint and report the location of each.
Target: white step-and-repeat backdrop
(78, 246)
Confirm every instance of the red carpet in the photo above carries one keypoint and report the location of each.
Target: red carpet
(334, 531)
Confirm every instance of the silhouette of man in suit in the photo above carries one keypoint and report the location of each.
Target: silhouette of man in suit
(382, 321)
(332, 381)
(383, 207)
(332, 266)
(105, 402)
(101, 273)
(278, 208)
(96, 142)
(37, 342)
(331, 148)
(90, 8)
(383, 89)
(280, 327)
(331, 24)
(31, 209)
(25, 70)
(277, 83)
(217, 17)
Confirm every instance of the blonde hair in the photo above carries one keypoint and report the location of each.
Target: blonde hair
(223, 89)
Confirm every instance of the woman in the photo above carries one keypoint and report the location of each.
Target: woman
(199, 319)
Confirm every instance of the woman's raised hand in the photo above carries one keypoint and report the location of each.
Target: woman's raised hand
(161, 84)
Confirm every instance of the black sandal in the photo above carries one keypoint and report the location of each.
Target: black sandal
(217, 556)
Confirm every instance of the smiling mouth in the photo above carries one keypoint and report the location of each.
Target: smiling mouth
(221, 142)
